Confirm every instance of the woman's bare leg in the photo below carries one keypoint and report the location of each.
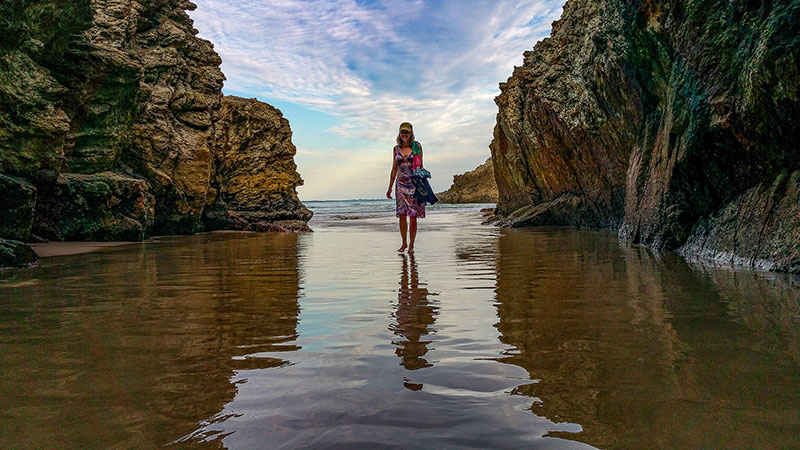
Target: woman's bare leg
(403, 227)
(413, 233)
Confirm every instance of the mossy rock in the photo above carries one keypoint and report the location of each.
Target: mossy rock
(17, 200)
(105, 207)
(16, 254)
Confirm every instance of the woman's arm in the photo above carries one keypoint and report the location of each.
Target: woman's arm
(392, 176)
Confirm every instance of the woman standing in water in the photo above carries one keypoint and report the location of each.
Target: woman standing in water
(403, 165)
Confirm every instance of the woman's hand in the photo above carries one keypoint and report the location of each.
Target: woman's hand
(389, 193)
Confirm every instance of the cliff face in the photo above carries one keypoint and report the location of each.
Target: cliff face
(476, 186)
(562, 137)
(671, 121)
(255, 175)
(111, 122)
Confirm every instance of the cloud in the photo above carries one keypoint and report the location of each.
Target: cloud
(372, 65)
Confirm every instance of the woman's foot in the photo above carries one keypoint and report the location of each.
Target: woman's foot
(411, 249)
(402, 249)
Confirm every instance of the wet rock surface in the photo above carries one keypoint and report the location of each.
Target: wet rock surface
(16, 204)
(475, 186)
(16, 254)
(103, 206)
(110, 110)
(759, 228)
(673, 122)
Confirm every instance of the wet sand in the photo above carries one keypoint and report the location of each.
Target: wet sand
(542, 338)
(56, 248)
(73, 248)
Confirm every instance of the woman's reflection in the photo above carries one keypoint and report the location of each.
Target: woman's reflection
(413, 317)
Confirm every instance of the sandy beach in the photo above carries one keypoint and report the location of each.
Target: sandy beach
(72, 248)
(546, 338)
(223, 184)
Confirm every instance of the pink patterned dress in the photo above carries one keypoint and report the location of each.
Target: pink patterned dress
(404, 188)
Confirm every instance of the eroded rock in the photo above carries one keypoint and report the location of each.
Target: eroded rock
(760, 228)
(255, 176)
(667, 121)
(108, 109)
(104, 206)
(16, 254)
(16, 206)
(475, 186)
(567, 119)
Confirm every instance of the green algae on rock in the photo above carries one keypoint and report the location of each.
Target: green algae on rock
(666, 120)
(16, 254)
(17, 204)
(103, 206)
(759, 228)
(110, 112)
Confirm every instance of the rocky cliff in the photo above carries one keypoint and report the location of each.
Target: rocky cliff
(672, 121)
(254, 175)
(113, 126)
(475, 186)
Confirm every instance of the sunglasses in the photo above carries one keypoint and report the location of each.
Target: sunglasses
(405, 132)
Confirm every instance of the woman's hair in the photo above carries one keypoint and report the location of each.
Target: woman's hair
(410, 139)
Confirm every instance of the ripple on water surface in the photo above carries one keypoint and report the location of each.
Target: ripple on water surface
(545, 338)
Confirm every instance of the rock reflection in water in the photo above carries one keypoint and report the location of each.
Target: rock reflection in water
(648, 352)
(196, 340)
(130, 349)
(413, 317)
(766, 302)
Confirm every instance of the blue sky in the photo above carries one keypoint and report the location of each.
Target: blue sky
(347, 73)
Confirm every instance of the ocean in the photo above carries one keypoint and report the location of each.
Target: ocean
(326, 211)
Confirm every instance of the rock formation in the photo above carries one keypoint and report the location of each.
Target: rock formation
(16, 254)
(673, 121)
(113, 126)
(255, 175)
(476, 186)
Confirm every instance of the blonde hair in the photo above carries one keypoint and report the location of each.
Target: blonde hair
(410, 139)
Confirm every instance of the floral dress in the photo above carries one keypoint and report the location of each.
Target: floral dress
(404, 188)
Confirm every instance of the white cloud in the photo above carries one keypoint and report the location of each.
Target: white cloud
(435, 64)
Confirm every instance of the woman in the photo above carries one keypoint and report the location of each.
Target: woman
(402, 168)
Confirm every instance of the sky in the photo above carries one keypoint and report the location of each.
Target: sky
(346, 73)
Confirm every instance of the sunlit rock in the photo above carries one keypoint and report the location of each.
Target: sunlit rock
(109, 111)
(255, 176)
(475, 186)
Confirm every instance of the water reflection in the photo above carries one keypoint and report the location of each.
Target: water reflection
(131, 348)
(413, 317)
(765, 302)
(648, 352)
(201, 337)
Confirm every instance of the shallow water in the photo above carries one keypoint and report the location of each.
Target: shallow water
(537, 338)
